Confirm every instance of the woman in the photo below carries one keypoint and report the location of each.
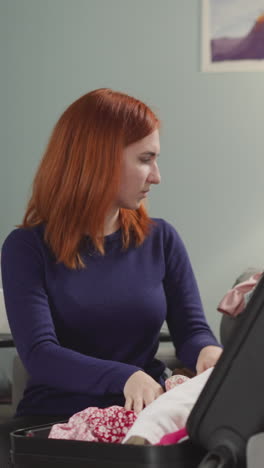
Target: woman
(89, 278)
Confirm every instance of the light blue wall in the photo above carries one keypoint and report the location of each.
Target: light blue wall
(212, 157)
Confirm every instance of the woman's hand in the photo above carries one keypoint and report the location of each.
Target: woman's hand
(140, 390)
(208, 357)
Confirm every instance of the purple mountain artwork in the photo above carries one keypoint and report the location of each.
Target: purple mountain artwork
(249, 47)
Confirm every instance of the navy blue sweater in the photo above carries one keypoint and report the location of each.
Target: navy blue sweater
(82, 333)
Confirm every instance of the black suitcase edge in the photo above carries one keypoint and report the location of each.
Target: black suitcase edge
(39, 451)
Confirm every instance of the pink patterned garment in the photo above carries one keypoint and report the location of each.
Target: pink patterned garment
(175, 380)
(96, 425)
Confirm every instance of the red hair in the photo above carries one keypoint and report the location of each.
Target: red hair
(78, 176)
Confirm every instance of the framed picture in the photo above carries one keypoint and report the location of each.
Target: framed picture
(232, 35)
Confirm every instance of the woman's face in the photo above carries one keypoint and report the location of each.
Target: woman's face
(139, 171)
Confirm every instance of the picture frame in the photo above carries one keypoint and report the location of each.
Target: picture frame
(232, 36)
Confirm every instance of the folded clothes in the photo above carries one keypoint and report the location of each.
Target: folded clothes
(115, 424)
(96, 425)
(169, 412)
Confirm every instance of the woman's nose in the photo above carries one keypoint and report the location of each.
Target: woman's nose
(154, 176)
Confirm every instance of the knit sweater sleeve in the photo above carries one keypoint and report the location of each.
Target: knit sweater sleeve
(33, 330)
(185, 316)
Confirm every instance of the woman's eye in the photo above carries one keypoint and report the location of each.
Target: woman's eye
(145, 160)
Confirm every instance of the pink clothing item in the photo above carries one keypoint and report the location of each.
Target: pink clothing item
(233, 303)
(173, 437)
(96, 425)
(175, 380)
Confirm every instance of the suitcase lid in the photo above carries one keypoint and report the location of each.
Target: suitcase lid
(230, 408)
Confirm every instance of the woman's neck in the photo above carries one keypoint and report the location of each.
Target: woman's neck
(112, 222)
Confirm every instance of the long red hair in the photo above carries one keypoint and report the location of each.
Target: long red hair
(78, 176)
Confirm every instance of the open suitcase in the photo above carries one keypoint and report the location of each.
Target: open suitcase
(228, 412)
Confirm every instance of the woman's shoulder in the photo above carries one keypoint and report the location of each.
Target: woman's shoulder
(164, 227)
(168, 235)
(31, 237)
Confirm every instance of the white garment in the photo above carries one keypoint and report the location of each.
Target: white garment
(169, 412)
